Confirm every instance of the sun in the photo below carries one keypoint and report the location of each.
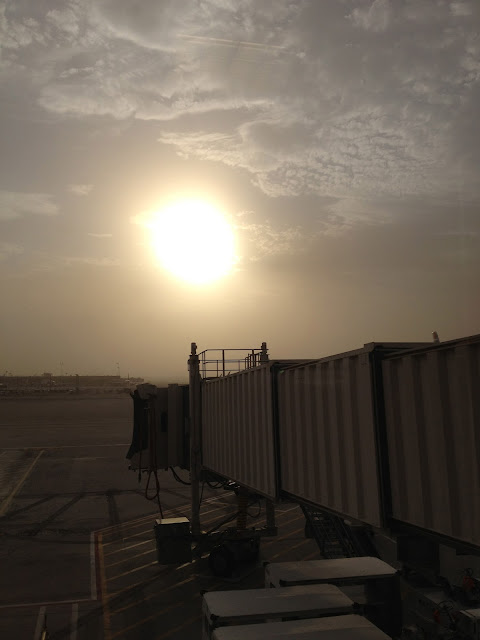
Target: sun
(193, 241)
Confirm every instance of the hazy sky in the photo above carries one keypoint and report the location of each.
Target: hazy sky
(340, 138)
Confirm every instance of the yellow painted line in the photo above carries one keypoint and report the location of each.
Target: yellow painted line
(137, 555)
(126, 573)
(139, 533)
(50, 603)
(133, 523)
(313, 555)
(287, 535)
(40, 623)
(103, 592)
(295, 546)
(149, 541)
(166, 572)
(139, 521)
(219, 508)
(131, 587)
(147, 619)
(187, 623)
(210, 520)
(134, 535)
(291, 534)
(7, 502)
(150, 529)
(190, 579)
(287, 510)
(74, 622)
(155, 594)
(293, 518)
(132, 546)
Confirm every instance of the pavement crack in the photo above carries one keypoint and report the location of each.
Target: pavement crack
(42, 525)
(10, 514)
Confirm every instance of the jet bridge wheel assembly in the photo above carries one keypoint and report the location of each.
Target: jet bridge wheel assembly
(221, 561)
(229, 555)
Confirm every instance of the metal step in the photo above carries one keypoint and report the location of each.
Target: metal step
(335, 539)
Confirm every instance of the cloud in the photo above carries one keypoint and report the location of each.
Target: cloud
(101, 235)
(8, 249)
(462, 233)
(461, 9)
(160, 60)
(96, 262)
(257, 240)
(330, 220)
(66, 21)
(17, 32)
(351, 120)
(337, 99)
(375, 18)
(14, 204)
(346, 213)
(359, 152)
(270, 238)
(80, 189)
(158, 25)
(51, 262)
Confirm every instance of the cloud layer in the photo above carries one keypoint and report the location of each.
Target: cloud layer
(9, 249)
(80, 189)
(338, 99)
(15, 204)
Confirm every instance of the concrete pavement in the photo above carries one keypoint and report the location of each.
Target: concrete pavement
(76, 532)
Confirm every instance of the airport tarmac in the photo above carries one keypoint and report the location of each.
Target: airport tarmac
(76, 530)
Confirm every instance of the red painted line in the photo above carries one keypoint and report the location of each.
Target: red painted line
(102, 589)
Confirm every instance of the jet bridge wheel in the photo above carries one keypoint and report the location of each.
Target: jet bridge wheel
(250, 549)
(221, 561)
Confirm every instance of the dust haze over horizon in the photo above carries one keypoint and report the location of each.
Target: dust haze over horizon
(339, 139)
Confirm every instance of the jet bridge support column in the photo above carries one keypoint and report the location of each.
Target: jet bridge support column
(270, 513)
(195, 437)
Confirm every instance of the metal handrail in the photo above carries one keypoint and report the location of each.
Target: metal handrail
(217, 363)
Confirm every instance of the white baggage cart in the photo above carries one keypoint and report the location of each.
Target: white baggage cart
(247, 606)
(348, 627)
(338, 571)
(368, 581)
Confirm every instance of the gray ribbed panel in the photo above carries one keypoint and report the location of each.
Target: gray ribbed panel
(176, 426)
(327, 435)
(432, 400)
(237, 423)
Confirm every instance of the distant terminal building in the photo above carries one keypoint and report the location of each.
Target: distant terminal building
(47, 381)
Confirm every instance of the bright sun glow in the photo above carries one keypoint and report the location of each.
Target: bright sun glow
(193, 241)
